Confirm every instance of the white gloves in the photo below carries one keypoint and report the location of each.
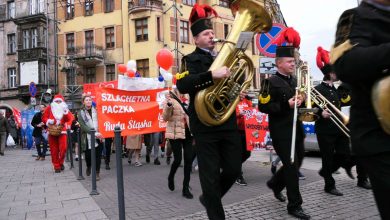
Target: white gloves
(50, 121)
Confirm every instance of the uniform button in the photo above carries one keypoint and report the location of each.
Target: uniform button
(202, 84)
(385, 71)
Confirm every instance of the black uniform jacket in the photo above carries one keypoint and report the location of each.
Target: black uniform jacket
(361, 67)
(37, 132)
(199, 78)
(325, 125)
(281, 116)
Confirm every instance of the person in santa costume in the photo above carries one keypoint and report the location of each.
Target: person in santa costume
(58, 114)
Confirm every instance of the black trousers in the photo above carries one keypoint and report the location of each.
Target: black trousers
(219, 160)
(287, 175)
(177, 145)
(98, 156)
(107, 146)
(335, 153)
(378, 169)
(245, 154)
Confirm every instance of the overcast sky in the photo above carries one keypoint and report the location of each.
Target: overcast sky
(316, 21)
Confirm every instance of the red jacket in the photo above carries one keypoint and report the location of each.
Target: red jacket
(66, 120)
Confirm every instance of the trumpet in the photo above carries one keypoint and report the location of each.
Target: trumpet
(337, 117)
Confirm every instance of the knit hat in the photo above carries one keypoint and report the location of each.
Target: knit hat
(58, 97)
(291, 40)
(200, 18)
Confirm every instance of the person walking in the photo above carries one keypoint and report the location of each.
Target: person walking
(13, 128)
(280, 109)
(361, 58)
(57, 118)
(218, 147)
(39, 126)
(88, 119)
(133, 146)
(3, 132)
(180, 139)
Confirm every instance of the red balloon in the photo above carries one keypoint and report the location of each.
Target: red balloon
(130, 73)
(164, 58)
(122, 68)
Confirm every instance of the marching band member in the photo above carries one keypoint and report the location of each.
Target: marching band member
(279, 106)
(333, 143)
(361, 57)
(218, 147)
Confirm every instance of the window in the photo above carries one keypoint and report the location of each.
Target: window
(158, 29)
(12, 78)
(11, 43)
(90, 75)
(224, 3)
(88, 7)
(108, 5)
(189, 2)
(225, 30)
(70, 78)
(69, 9)
(36, 6)
(26, 39)
(110, 72)
(141, 29)
(44, 37)
(70, 49)
(184, 32)
(110, 37)
(88, 43)
(143, 67)
(34, 38)
(43, 74)
(11, 9)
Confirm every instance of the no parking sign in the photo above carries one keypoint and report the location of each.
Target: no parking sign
(265, 41)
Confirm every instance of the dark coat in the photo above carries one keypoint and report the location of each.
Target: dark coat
(325, 125)
(37, 132)
(199, 78)
(360, 67)
(4, 124)
(280, 115)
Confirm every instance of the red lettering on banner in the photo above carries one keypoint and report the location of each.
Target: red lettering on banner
(256, 128)
(135, 112)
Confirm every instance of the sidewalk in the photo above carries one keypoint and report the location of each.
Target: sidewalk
(30, 189)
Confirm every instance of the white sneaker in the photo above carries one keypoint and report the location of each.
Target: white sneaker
(137, 164)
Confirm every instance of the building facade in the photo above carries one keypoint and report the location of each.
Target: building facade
(27, 30)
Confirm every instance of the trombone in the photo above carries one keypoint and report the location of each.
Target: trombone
(338, 117)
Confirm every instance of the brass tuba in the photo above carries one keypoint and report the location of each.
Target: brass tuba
(381, 102)
(215, 104)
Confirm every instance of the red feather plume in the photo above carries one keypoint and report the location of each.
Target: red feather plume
(290, 36)
(201, 11)
(322, 57)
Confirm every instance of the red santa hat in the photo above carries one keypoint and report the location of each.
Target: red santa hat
(323, 61)
(58, 97)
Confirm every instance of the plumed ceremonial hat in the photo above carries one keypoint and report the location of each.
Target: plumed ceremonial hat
(200, 18)
(323, 61)
(291, 38)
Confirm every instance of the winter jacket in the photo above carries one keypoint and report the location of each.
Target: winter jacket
(176, 120)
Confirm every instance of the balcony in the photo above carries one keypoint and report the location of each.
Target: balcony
(144, 5)
(28, 19)
(90, 55)
(31, 54)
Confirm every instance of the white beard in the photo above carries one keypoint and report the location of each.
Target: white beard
(58, 110)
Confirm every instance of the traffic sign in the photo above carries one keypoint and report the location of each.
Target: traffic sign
(265, 41)
(33, 101)
(32, 89)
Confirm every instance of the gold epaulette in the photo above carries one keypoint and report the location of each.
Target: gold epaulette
(337, 52)
(264, 98)
(346, 100)
(181, 75)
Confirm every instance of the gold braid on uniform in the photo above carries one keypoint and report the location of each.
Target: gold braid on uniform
(183, 70)
(345, 100)
(264, 96)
